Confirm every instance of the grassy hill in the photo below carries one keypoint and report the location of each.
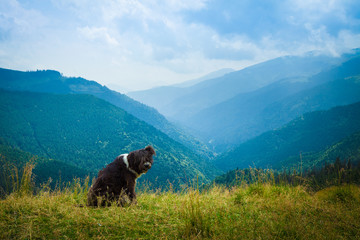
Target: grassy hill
(257, 211)
(311, 132)
(89, 133)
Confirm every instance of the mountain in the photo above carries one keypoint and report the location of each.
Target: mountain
(159, 97)
(50, 81)
(249, 114)
(89, 132)
(240, 118)
(216, 74)
(188, 101)
(341, 87)
(337, 164)
(346, 149)
(312, 132)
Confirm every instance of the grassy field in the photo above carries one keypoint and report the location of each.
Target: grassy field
(256, 211)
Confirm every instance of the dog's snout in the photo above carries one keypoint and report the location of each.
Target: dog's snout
(147, 165)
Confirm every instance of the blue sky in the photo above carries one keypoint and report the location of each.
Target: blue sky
(141, 44)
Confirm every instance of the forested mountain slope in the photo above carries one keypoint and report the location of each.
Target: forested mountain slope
(89, 133)
(50, 81)
(52, 172)
(347, 149)
(312, 132)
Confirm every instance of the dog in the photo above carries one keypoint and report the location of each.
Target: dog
(116, 182)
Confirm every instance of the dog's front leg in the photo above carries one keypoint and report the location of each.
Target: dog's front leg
(131, 191)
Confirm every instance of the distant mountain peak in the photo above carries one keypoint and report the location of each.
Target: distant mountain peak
(215, 74)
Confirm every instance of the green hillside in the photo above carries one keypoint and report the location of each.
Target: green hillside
(347, 149)
(337, 164)
(88, 132)
(311, 132)
(50, 81)
(13, 161)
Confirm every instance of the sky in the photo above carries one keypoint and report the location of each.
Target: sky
(139, 44)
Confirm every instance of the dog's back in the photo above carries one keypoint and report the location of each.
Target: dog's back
(108, 184)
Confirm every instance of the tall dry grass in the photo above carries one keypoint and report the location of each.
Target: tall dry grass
(262, 210)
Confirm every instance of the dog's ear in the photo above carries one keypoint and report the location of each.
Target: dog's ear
(151, 150)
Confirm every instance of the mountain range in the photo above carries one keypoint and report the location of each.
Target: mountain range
(279, 114)
(88, 132)
(50, 81)
(228, 110)
(159, 97)
(207, 93)
(250, 114)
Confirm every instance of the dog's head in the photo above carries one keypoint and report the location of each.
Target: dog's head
(141, 160)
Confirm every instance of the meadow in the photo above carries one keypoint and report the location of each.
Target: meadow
(261, 210)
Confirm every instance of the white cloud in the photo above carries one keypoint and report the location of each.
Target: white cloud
(317, 5)
(133, 40)
(234, 43)
(102, 33)
(348, 40)
(177, 5)
(319, 11)
(18, 20)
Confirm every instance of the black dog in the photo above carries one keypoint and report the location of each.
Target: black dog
(116, 182)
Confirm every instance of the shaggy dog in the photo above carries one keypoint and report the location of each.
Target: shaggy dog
(116, 182)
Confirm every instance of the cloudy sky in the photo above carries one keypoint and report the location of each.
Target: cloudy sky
(139, 44)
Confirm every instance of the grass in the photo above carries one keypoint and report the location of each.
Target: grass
(256, 211)
(260, 210)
